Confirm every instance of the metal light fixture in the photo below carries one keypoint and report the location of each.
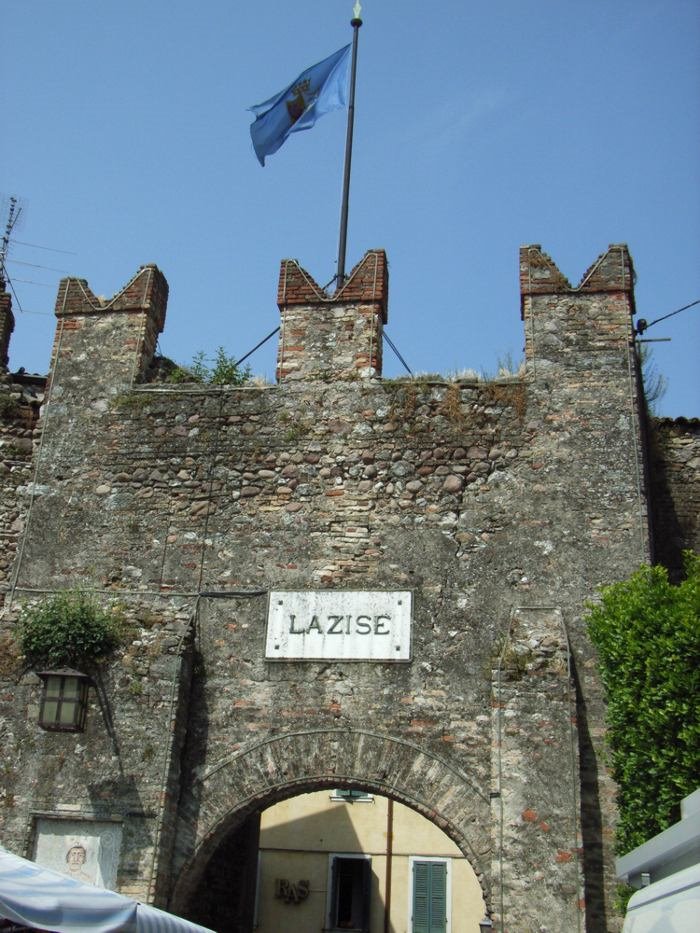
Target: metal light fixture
(63, 700)
(485, 925)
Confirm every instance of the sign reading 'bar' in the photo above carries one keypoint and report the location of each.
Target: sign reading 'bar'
(350, 625)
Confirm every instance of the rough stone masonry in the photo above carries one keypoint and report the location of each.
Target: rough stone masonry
(498, 506)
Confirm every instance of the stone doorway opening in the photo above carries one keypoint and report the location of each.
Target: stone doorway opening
(337, 859)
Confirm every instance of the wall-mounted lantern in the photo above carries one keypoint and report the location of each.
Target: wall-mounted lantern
(485, 925)
(63, 700)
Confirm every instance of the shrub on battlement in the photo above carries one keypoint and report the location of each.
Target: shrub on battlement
(225, 371)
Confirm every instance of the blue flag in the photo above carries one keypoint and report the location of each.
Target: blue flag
(318, 90)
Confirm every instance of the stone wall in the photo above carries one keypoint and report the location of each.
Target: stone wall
(119, 769)
(20, 398)
(534, 739)
(500, 505)
(675, 478)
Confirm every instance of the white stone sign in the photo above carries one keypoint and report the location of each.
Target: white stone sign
(342, 625)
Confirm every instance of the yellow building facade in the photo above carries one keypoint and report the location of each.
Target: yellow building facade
(348, 861)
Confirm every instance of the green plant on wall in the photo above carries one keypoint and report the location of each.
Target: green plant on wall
(647, 632)
(67, 629)
(8, 406)
(225, 371)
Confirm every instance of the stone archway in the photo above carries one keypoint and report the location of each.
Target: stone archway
(282, 766)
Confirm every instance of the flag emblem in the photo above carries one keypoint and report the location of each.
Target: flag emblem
(297, 105)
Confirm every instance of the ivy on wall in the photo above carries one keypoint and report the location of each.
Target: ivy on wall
(647, 632)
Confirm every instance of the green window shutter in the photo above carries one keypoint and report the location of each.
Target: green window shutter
(429, 897)
(438, 897)
(421, 897)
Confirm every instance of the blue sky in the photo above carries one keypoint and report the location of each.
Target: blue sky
(479, 128)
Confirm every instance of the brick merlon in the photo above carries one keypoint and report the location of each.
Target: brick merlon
(146, 292)
(368, 283)
(611, 272)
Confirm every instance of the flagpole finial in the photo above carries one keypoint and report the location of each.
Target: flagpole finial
(356, 11)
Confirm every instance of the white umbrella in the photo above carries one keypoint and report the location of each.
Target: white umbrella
(46, 900)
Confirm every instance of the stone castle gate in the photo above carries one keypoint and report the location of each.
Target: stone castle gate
(493, 509)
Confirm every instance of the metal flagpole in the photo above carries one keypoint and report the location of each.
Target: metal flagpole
(355, 22)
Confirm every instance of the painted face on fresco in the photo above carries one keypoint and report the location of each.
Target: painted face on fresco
(76, 856)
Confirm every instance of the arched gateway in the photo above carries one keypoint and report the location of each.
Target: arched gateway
(336, 581)
(260, 775)
(279, 767)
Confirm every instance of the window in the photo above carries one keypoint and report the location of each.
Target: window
(350, 795)
(349, 893)
(430, 896)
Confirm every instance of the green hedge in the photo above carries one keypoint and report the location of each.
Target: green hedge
(647, 632)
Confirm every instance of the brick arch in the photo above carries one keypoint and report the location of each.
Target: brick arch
(261, 774)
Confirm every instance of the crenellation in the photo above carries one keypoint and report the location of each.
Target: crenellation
(612, 271)
(336, 337)
(120, 332)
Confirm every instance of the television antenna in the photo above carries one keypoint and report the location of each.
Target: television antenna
(6, 280)
(12, 217)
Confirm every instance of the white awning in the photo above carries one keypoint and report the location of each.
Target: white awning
(45, 900)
